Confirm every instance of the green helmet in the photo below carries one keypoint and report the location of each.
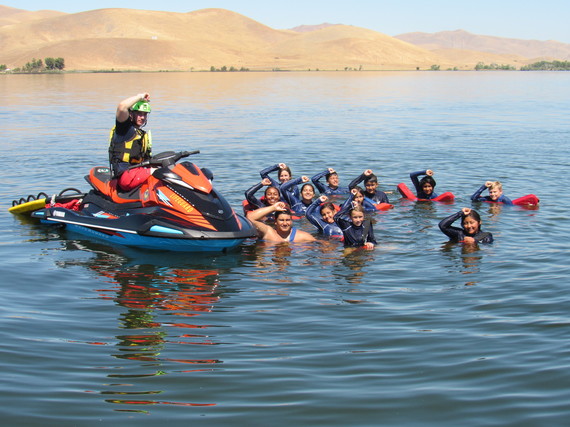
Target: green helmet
(143, 106)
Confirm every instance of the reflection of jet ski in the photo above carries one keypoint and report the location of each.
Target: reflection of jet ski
(176, 209)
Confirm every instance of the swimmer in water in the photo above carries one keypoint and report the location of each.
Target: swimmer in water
(270, 197)
(371, 187)
(356, 229)
(471, 228)
(321, 213)
(495, 193)
(283, 230)
(284, 175)
(333, 186)
(425, 186)
(299, 203)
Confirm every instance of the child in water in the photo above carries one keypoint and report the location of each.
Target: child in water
(425, 186)
(495, 193)
(358, 198)
(298, 203)
(371, 187)
(332, 187)
(356, 229)
(321, 213)
(471, 228)
(284, 175)
(271, 196)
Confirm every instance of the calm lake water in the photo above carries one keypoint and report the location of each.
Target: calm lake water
(416, 332)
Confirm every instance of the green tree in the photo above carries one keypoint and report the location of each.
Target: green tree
(59, 63)
(50, 63)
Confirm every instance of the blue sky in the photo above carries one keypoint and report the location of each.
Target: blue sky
(536, 20)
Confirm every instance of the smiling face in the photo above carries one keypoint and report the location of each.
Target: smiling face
(328, 215)
(358, 198)
(357, 217)
(495, 192)
(283, 223)
(332, 181)
(471, 225)
(307, 193)
(284, 176)
(371, 186)
(272, 195)
(427, 188)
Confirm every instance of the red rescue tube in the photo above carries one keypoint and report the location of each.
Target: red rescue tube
(383, 206)
(528, 200)
(407, 193)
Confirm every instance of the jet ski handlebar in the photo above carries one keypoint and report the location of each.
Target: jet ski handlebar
(166, 158)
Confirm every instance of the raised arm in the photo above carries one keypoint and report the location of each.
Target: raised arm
(122, 113)
(476, 197)
(454, 233)
(256, 216)
(316, 180)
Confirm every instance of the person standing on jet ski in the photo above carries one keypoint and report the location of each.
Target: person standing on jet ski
(129, 144)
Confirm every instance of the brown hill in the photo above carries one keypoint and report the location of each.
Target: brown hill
(149, 40)
(10, 15)
(462, 41)
(309, 28)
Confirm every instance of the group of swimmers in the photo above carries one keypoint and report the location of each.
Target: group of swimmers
(130, 145)
(287, 198)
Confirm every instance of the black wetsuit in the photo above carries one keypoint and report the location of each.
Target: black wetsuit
(457, 234)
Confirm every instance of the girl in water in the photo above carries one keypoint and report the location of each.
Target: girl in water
(321, 213)
(495, 193)
(425, 186)
(471, 228)
(284, 175)
(271, 195)
(299, 204)
(356, 229)
(332, 187)
(358, 197)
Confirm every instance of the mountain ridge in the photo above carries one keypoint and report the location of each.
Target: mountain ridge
(105, 39)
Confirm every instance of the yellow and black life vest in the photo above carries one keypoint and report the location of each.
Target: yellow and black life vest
(133, 148)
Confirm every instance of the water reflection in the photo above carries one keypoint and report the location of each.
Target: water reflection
(161, 304)
(465, 258)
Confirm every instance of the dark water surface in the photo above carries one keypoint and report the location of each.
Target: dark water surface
(416, 332)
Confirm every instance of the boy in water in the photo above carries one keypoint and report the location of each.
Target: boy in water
(495, 193)
(371, 187)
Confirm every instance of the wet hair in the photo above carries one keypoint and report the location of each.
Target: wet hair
(269, 188)
(427, 180)
(307, 185)
(359, 189)
(328, 175)
(497, 184)
(370, 178)
(473, 214)
(356, 209)
(286, 168)
(277, 214)
(327, 205)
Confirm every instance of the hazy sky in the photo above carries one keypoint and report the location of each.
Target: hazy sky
(529, 19)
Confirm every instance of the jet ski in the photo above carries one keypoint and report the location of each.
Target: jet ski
(176, 209)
